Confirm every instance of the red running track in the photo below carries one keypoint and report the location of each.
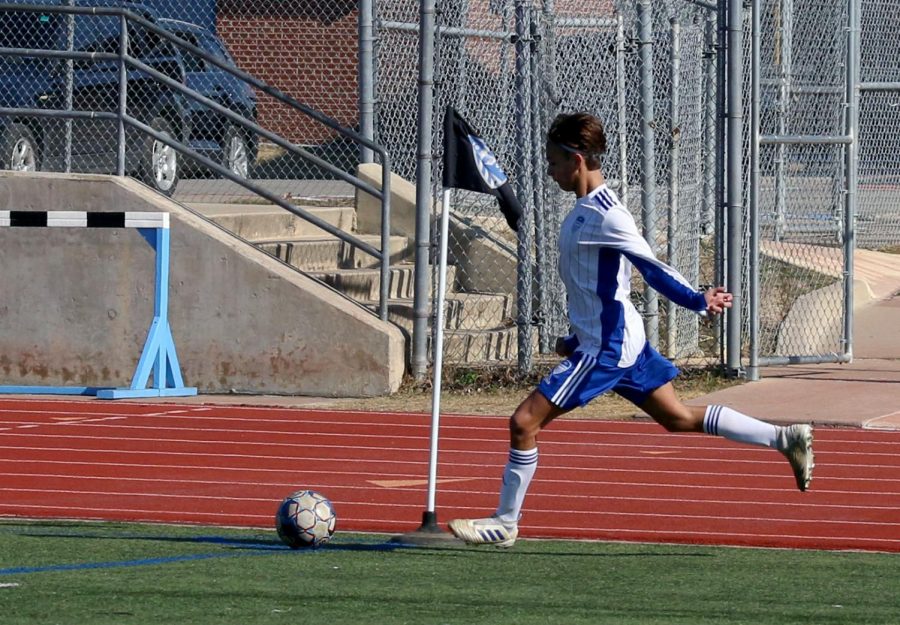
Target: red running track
(222, 465)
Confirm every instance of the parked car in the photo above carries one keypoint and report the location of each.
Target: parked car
(40, 143)
(212, 134)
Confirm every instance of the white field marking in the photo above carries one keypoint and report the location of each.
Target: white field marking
(419, 482)
(392, 461)
(874, 423)
(582, 513)
(72, 421)
(9, 585)
(544, 480)
(706, 535)
(60, 415)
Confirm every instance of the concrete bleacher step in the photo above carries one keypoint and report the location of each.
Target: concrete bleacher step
(363, 284)
(463, 311)
(265, 221)
(478, 326)
(479, 346)
(323, 253)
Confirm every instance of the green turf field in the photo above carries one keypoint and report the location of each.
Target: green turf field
(96, 574)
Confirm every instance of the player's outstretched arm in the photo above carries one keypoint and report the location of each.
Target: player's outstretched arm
(717, 300)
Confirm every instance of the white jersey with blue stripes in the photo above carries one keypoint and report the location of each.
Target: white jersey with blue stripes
(598, 245)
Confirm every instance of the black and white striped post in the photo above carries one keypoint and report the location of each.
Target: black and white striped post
(158, 356)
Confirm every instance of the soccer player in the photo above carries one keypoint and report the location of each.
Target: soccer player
(607, 349)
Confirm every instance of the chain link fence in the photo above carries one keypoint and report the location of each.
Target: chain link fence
(497, 66)
(292, 47)
(878, 219)
(652, 71)
(802, 178)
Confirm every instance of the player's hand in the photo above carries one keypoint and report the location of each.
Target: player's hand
(717, 300)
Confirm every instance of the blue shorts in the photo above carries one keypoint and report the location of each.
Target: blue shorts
(579, 379)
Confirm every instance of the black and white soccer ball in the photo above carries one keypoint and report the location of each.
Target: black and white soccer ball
(305, 519)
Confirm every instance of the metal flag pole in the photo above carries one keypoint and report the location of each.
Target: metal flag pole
(429, 532)
(429, 519)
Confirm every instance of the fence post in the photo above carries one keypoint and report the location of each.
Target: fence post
(753, 304)
(734, 186)
(648, 152)
(523, 186)
(851, 160)
(123, 94)
(366, 72)
(421, 304)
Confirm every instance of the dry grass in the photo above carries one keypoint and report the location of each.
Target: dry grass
(498, 392)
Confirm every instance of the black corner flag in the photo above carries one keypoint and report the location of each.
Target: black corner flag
(471, 165)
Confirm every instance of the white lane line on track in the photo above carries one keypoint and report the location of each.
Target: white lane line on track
(672, 447)
(492, 477)
(394, 461)
(324, 416)
(769, 459)
(669, 441)
(405, 487)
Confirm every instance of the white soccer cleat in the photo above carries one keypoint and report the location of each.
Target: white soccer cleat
(489, 531)
(795, 442)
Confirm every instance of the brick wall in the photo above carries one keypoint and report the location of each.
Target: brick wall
(311, 55)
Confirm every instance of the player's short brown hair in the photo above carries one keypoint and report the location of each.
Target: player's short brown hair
(579, 132)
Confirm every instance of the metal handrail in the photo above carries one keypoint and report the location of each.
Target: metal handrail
(383, 255)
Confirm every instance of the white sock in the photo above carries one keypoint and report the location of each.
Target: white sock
(516, 477)
(733, 425)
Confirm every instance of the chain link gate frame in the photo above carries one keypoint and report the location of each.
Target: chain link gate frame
(820, 171)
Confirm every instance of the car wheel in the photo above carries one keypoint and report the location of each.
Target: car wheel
(162, 162)
(19, 149)
(235, 153)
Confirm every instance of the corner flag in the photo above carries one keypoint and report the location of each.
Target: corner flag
(471, 165)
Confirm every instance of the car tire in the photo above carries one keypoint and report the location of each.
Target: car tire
(161, 162)
(19, 149)
(236, 152)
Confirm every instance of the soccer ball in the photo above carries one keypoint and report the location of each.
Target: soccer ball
(305, 519)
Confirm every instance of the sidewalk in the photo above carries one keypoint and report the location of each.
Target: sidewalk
(864, 393)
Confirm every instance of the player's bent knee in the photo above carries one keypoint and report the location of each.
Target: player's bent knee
(679, 422)
(522, 425)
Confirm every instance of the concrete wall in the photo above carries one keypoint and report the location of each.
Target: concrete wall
(76, 304)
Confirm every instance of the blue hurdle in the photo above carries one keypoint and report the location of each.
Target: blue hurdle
(158, 356)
